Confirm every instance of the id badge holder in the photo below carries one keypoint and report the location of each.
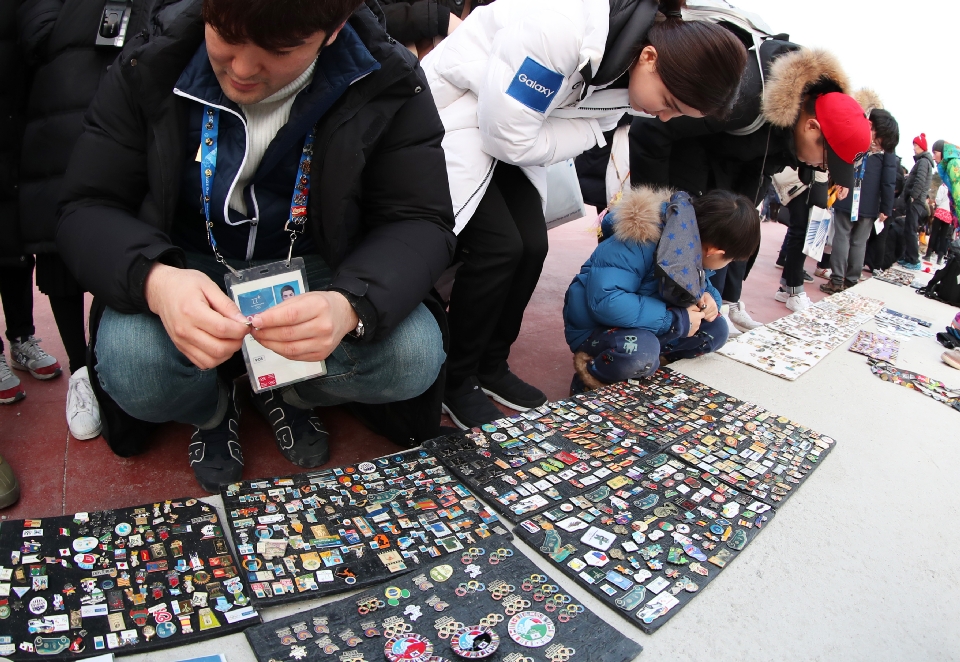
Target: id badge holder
(256, 290)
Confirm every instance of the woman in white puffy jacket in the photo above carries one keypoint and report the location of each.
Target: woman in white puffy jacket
(523, 84)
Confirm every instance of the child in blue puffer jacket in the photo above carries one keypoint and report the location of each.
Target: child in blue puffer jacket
(645, 291)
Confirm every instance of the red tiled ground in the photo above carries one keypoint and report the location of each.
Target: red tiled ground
(60, 475)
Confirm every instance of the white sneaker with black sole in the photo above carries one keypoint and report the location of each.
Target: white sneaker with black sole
(83, 411)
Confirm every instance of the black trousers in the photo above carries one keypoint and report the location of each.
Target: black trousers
(729, 281)
(940, 235)
(911, 242)
(502, 249)
(66, 302)
(16, 291)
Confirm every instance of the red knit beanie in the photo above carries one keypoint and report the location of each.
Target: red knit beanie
(921, 140)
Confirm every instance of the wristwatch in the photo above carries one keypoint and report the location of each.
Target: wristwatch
(357, 333)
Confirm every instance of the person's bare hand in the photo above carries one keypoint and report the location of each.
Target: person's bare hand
(708, 306)
(454, 23)
(842, 192)
(307, 327)
(202, 321)
(696, 316)
(882, 218)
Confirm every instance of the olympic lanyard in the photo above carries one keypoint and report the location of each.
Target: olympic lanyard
(857, 182)
(208, 170)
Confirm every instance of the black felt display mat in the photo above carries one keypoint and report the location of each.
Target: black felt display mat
(335, 530)
(663, 532)
(348, 635)
(172, 541)
(527, 464)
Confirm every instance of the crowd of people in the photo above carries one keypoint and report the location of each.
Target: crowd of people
(158, 152)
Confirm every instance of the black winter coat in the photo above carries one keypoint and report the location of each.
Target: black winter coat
(409, 21)
(12, 100)
(876, 190)
(58, 40)
(917, 185)
(379, 207)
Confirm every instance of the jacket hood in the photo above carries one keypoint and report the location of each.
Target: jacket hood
(791, 75)
(638, 216)
(868, 100)
(924, 155)
(629, 22)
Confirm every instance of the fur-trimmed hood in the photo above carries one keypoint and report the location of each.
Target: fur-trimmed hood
(792, 74)
(637, 216)
(868, 100)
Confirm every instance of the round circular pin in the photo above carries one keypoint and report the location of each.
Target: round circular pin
(531, 629)
(566, 507)
(594, 418)
(166, 629)
(487, 427)
(85, 544)
(475, 642)
(123, 529)
(408, 648)
(498, 436)
(4, 612)
(441, 573)
(38, 605)
(679, 448)
(367, 467)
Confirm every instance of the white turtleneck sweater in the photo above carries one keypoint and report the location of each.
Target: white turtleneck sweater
(264, 119)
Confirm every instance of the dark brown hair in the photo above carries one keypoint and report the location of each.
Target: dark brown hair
(700, 63)
(728, 221)
(886, 128)
(275, 24)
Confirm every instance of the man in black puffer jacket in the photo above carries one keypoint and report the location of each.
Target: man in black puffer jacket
(915, 191)
(140, 215)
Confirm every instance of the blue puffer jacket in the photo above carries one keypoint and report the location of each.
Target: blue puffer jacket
(618, 286)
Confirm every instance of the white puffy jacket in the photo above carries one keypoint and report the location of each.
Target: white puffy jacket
(508, 87)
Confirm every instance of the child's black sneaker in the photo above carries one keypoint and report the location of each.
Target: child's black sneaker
(215, 454)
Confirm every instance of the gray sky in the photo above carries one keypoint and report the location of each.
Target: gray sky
(892, 47)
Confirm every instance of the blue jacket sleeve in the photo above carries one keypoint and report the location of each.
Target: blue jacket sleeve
(713, 291)
(613, 289)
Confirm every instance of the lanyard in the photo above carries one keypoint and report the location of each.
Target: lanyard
(208, 169)
(861, 170)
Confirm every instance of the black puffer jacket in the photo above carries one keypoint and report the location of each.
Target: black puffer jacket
(917, 186)
(58, 39)
(409, 21)
(12, 101)
(379, 208)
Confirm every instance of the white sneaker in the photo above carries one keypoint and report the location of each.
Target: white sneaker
(798, 302)
(83, 412)
(781, 295)
(823, 273)
(732, 331)
(741, 318)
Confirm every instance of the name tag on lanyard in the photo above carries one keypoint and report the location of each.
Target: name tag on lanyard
(257, 289)
(860, 168)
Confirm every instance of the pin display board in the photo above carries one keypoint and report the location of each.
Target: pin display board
(118, 581)
(641, 491)
(490, 603)
(334, 530)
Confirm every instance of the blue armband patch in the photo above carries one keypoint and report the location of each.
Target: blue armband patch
(534, 85)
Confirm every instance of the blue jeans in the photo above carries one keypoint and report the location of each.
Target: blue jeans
(620, 354)
(141, 369)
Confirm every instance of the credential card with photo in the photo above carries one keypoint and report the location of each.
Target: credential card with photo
(260, 289)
